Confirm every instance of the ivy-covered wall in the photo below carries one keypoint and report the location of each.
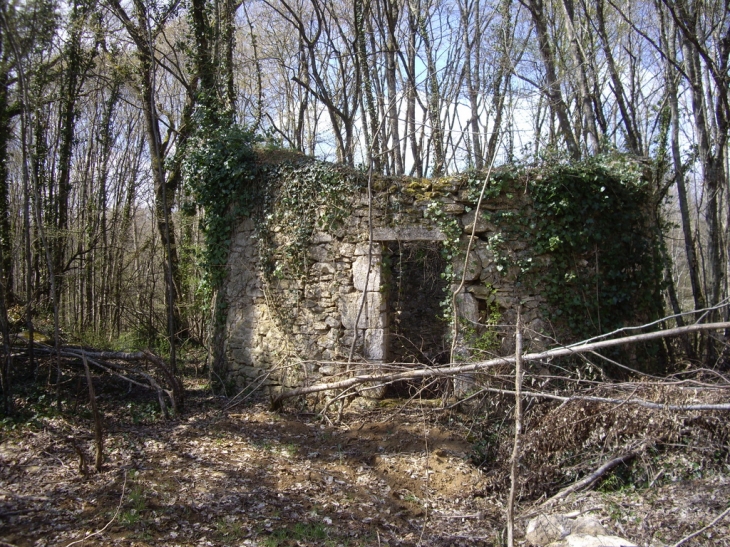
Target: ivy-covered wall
(574, 246)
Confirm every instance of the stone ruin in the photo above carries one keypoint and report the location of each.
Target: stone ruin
(384, 290)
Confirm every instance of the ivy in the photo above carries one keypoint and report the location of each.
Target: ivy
(593, 220)
(451, 251)
(300, 199)
(218, 174)
(587, 240)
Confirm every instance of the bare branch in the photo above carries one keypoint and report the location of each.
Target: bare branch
(451, 369)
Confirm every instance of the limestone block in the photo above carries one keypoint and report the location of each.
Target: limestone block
(321, 237)
(360, 273)
(536, 327)
(483, 225)
(247, 224)
(254, 291)
(347, 249)
(473, 267)
(333, 322)
(323, 268)
(368, 389)
(453, 208)
(253, 372)
(463, 384)
(328, 341)
(318, 253)
(482, 292)
(372, 312)
(581, 540)
(362, 249)
(328, 370)
(241, 334)
(250, 251)
(408, 233)
(375, 344)
(588, 525)
(242, 356)
(467, 307)
(545, 529)
(560, 531)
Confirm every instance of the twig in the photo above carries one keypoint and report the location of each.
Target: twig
(98, 433)
(698, 532)
(594, 399)
(121, 499)
(477, 516)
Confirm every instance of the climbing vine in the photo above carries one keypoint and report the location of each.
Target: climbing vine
(598, 273)
(218, 172)
(593, 253)
(301, 198)
(288, 201)
(451, 251)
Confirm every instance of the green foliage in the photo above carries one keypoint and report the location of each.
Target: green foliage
(143, 413)
(311, 532)
(292, 200)
(594, 255)
(483, 339)
(135, 504)
(300, 199)
(218, 174)
(451, 251)
(594, 221)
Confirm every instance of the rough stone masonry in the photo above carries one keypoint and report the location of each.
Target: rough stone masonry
(383, 273)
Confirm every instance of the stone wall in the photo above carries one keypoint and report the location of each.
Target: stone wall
(282, 329)
(293, 331)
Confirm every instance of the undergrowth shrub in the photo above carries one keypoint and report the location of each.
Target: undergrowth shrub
(563, 442)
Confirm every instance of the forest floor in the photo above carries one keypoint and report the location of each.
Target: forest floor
(247, 476)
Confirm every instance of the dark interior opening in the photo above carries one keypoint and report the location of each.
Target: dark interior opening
(415, 290)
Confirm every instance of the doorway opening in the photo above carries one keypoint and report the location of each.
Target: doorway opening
(415, 290)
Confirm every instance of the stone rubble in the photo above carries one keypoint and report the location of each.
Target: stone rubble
(563, 531)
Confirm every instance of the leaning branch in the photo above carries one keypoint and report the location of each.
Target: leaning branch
(104, 360)
(450, 370)
(610, 400)
(588, 480)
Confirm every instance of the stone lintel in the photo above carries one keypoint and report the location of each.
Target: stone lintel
(408, 233)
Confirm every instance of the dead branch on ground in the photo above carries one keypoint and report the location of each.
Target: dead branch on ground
(119, 364)
(452, 369)
(590, 479)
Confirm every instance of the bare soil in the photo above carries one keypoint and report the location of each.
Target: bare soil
(386, 475)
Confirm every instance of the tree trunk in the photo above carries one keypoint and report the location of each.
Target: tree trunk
(555, 96)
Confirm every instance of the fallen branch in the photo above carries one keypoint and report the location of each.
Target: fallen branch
(588, 480)
(594, 399)
(153, 384)
(698, 532)
(452, 369)
(175, 394)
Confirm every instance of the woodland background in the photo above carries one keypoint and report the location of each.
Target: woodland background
(102, 101)
(126, 125)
